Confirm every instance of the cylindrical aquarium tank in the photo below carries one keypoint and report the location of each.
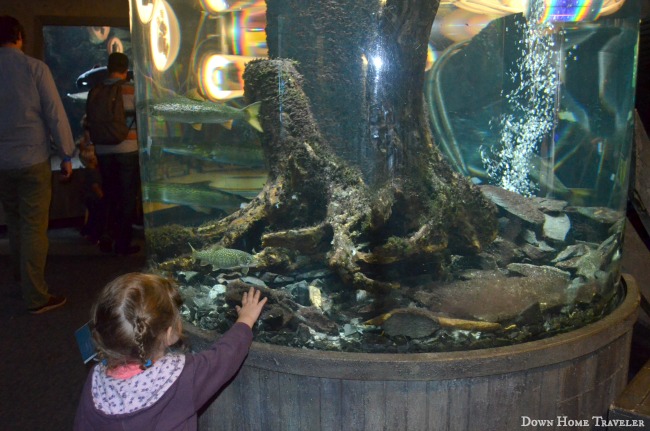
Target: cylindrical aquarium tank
(405, 180)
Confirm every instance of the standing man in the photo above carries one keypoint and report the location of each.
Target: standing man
(32, 123)
(118, 164)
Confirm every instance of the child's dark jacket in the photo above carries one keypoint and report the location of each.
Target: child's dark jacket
(177, 386)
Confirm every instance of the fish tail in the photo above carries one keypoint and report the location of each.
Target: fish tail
(193, 252)
(252, 112)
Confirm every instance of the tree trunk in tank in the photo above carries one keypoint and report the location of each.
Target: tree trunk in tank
(363, 63)
(355, 178)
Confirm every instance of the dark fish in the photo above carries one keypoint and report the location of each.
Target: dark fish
(197, 197)
(94, 76)
(251, 156)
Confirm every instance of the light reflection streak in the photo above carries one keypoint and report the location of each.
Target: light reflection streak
(165, 36)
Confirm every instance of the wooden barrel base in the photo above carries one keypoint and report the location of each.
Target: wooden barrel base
(566, 379)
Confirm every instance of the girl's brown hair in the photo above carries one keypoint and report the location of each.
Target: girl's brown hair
(131, 316)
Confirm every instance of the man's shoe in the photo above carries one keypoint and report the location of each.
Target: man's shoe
(55, 301)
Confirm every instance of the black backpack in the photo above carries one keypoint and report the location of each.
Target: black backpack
(105, 116)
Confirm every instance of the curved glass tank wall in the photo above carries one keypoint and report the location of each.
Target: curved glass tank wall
(396, 176)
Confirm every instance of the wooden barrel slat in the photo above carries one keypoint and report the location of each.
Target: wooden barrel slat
(459, 399)
(438, 405)
(417, 412)
(309, 401)
(331, 405)
(269, 387)
(373, 400)
(533, 392)
(396, 405)
(249, 401)
(352, 412)
(289, 411)
(479, 402)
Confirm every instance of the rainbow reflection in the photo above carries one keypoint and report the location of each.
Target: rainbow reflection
(248, 35)
(569, 10)
(432, 56)
(219, 6)
(221, 76)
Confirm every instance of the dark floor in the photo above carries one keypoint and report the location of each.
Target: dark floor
(41, 369)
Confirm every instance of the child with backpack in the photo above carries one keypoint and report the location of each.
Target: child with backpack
(140, 384)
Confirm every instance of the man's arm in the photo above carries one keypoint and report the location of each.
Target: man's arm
(56, 119)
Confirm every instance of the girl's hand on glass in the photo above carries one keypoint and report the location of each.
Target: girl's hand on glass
(251, 307)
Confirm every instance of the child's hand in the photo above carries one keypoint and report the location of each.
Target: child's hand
(251, 307)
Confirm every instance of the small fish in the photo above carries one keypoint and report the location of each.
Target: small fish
(79, 97)
(567, 116)
(181, 109)
(225, 258)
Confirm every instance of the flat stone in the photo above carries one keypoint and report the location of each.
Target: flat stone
(548, 205)
(602, 215)
(410, 322)
(556, 227)
(536, 271)
(571, 251)
(515, 204)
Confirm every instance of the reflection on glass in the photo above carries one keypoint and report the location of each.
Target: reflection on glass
(77, 56)
(114, 44)
(98, 34)
(555, 10)
(165, 35)
(219, 6)
(221, 76)
(145, 10)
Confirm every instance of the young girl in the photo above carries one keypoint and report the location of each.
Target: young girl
(140, 385)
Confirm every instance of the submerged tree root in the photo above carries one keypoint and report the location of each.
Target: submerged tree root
(317, 204)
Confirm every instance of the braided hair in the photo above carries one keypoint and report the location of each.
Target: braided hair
(131, 316)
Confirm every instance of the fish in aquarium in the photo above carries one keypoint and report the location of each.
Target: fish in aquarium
(81, 96)
(94, 76)
(252, 157)
(198, 197)
(224, 258)
(89, 79)
(182, 109)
